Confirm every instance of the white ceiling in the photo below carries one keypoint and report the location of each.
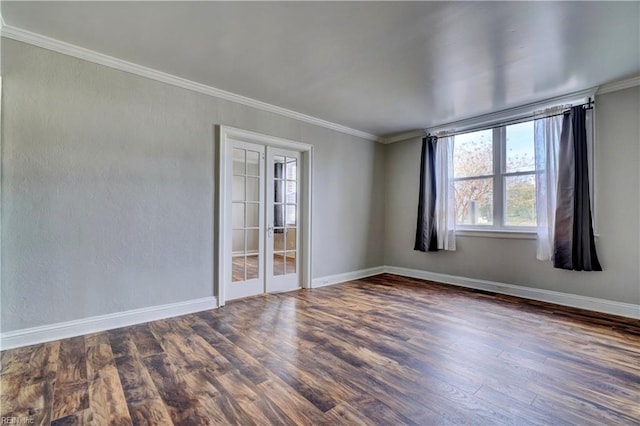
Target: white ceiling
(379, 67)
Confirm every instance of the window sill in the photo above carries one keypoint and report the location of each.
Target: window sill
(498, 233)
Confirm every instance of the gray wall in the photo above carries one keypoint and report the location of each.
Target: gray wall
(108, 185)
(512, 260)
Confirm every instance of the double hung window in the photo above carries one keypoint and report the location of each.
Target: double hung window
(495, 178)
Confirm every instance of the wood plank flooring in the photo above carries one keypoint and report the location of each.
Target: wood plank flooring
(382, 350)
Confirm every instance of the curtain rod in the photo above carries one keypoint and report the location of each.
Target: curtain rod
(501, 123)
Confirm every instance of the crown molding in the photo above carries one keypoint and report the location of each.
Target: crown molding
(69, 49)
(418, 133)
(619, 85)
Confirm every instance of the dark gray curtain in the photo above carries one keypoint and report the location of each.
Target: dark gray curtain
(426, 236)
(278, 197)
(574, 245)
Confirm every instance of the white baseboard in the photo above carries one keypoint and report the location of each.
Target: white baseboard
(576, 301)
(347, 276)
(35, 335)
(63, 330)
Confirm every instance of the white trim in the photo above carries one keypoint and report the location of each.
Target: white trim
(573, 300)
(619, 85)
(497, 233)
(63, 330)
(69, 49)
(601, 90)
(411, 134)
(521, 112)
(347, 276)
(491, 119)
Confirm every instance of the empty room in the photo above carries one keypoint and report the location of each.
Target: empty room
(319, 213)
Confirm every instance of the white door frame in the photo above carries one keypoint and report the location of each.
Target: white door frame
(222, 232)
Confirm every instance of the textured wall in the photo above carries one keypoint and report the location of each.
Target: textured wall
(108, 184)
(512, 260)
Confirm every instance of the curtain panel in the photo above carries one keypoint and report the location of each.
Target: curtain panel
(574, 244)
(435, 229)
(547, 132)
(426, 238)
(563, 205)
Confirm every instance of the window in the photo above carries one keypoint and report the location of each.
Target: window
(494, 174)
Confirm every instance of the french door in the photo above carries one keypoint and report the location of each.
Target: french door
(263, 202)
(283, 212)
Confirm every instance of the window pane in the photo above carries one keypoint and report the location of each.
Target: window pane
(521, 200)
(474, 202)
(473, 154)
(520, 151)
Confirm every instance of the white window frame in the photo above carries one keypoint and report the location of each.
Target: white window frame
(513, 115)
(499, 145)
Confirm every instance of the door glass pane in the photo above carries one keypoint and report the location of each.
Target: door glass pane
(474, 201)
(291, 238)
(292, 166)
(291, 215)
(278, 167)
(237, 215)
(237, 245)
(278, 215)
(291, 194)
(253, 189)
(252, 265)
(291, 262)
(237, 191)
(237, 268)
(279, 191)
(238, 161)
(278, 263)
(253, 163)
(278, 239)
(252, 241)
(253, 212)
(520, 200)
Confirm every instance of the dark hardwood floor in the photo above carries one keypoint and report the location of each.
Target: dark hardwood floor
(383, 350)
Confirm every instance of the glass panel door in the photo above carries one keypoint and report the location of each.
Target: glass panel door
(283, 203)
(247, 222)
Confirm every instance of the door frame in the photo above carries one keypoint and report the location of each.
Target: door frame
(222, 212)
